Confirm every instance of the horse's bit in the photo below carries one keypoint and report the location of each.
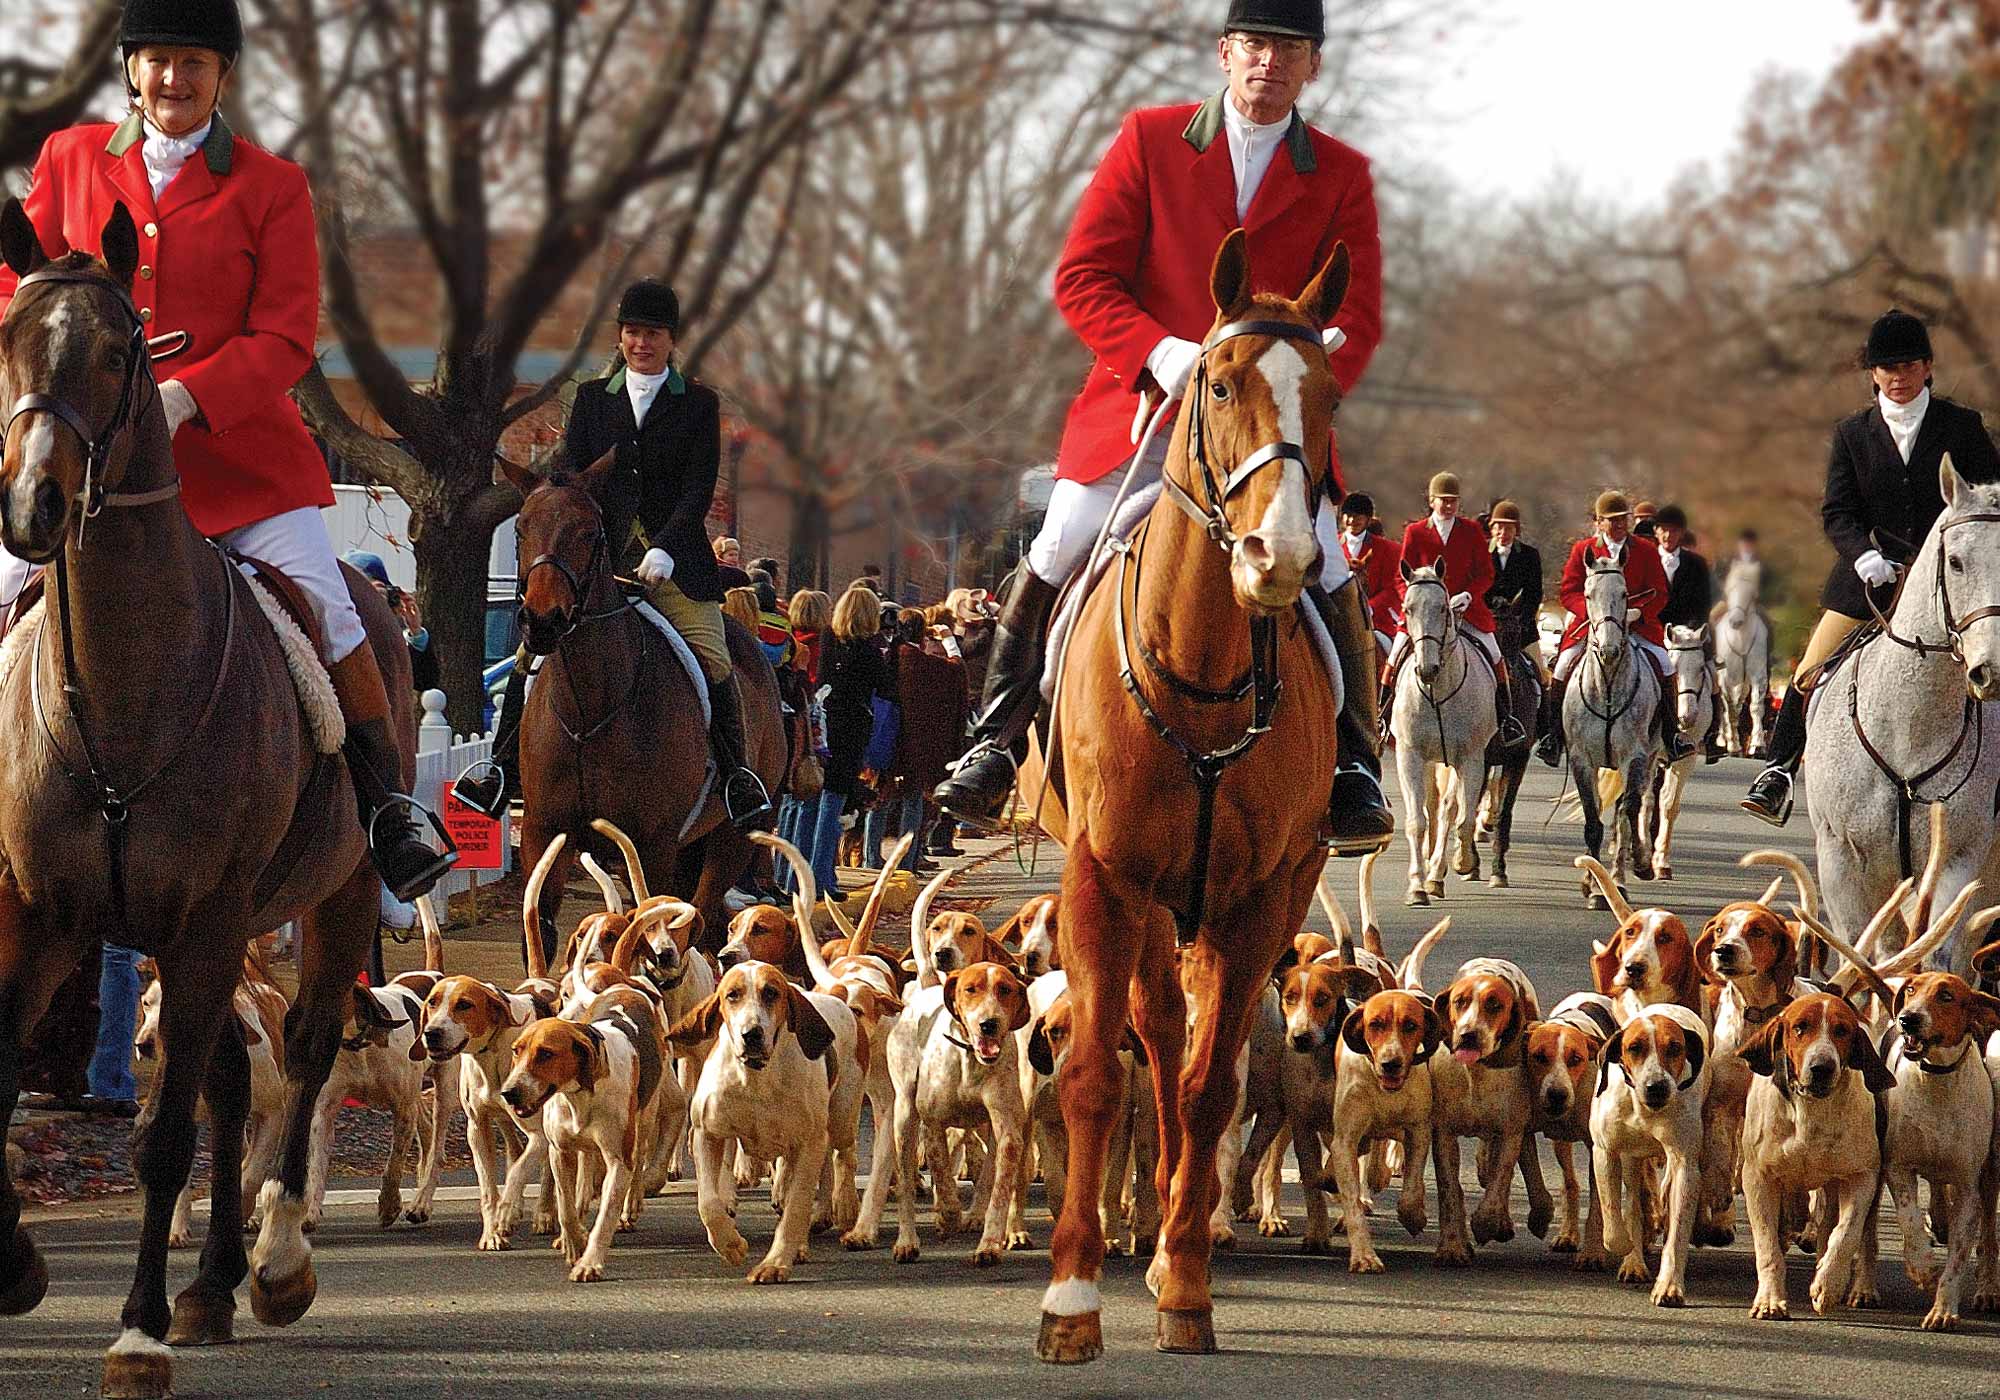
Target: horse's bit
(1261, 683)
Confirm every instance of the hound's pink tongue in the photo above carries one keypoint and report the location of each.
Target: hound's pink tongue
(1466, 1057)
(989, 1047)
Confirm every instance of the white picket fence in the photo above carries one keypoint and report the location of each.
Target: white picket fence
(441, 757)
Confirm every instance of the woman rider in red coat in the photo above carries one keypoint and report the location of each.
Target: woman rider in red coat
(228, 254)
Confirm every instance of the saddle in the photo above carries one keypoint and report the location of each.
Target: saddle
(290, 596)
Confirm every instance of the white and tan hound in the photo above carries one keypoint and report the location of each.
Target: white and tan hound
(1651, 1083)
(1381, 1090)
(1562, 1082)
(1480, 1091)
(1649, 960)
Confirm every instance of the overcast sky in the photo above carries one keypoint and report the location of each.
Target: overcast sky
(1621, 93)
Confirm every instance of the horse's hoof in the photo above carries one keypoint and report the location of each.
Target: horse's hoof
(137, 1368)
(1497, 880)
(1070, 1341)
(1437, 889)
(1417, 899)
(282, 1303)
(1186, 1331)
(203, 1320)
(31, 1281)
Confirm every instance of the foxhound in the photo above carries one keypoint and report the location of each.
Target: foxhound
(1370, 1060)
(1649, 960)
(477, 1023)
(1480, 1091)
(769, 1083)
(1037, 926)
(1811, 1124)
(1652, 1080)
(1562, 1080)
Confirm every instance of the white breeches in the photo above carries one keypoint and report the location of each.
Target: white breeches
(13, 573)
(1566, 662)
(296, 543)
(1077, 511)
(1485, 639)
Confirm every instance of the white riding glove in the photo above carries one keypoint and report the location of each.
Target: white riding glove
(656, 567)
(1460, 602)
(1172, 364)
(1333, 337)
(1874, 570)
(178, 404)
(1631, 616)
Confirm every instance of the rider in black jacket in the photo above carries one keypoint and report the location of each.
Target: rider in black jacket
(1882, 497)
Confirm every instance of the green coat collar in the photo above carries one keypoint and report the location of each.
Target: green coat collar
(676, 384)
(1206, 125)
(218, 150)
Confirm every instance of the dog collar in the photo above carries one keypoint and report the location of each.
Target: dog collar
(1963, 1055)
(1758, 1015)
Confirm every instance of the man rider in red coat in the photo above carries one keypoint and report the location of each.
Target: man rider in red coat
(1134, 285)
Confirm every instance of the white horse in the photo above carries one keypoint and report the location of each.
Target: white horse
(1609, 722)
(1694, 707)
(1913, 718)
(1442, 719)
(1743, 653)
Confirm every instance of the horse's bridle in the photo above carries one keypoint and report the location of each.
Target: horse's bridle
(1954, 627)
(580, 586)
(97, 443)
(1699, 690)
(1209, 514)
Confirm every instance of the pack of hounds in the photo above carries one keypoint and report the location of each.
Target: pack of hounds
(1698, 1066)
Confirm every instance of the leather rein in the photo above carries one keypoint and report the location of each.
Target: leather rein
(1454, 640)
(1260, 684)
(113, 800)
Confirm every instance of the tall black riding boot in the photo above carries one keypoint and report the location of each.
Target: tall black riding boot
(1711, 742)
(1358, 816)
(1549, 750)
(1770, 795)
(979, 784)
(743, 792)
(1510, 733)
(1668, 719)
(408, 866)
(487, 787)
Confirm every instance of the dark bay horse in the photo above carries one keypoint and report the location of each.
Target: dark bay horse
(1162, 665)
(159, 788)
(613, 728)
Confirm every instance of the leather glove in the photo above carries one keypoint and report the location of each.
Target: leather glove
(1172, 364)
(178, 404)
(1874, 570)
(656, 567)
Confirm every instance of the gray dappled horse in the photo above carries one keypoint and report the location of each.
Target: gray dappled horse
(1443, 719)
(1609, 724)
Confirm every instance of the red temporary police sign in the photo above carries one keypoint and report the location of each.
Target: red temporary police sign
(480, 839)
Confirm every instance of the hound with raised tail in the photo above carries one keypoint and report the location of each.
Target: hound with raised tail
(1649, 960)
(768, 1083)
(1652, 1080)
(1480, 1091)
(1811, 1124)
(1562, 1082)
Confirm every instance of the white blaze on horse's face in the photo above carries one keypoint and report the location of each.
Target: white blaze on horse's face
(1428, 619)
(1971, 579)
(1605, 597)
(1685, 645)
(1269, 564)
(1740, 593)
(35, 472)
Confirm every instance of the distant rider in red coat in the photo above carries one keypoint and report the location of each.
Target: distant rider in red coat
(1372, 557)
(1133, 283)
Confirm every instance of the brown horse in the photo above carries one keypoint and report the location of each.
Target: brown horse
(159, 788)
(613, 727)
(1173, 659)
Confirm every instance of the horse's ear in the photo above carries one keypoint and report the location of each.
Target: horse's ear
(1322, 298)
(119, 244)
(1951, 485)
(1229, 282)
(20, 245)
(1404, 565)
(598, 474)
(520, 478)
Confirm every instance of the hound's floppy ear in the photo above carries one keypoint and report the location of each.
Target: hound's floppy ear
(1433, 1034)
(1985, 1015)
(996, 954)
(1902, 986)
(1020, 1017)
(1765, 1050)
(951, 995)
(596, 1063)
(19, 243)
(1604, 966)
(1287, 960)
(815, 1035)
(1986, 962)
(1704, 952)
(1350, 1031)
(1041, 1054)
(1862, 1055)
(1323, 296)
(120, 244)
(1697, 1053)
(1786, 969)
(1229, 279)
(1607, 1059)
(700, 1024)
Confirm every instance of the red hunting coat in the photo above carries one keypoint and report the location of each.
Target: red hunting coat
(1381, 580)
(1468, 564)
(230, 256)
(1137, 265)
(1643, 571)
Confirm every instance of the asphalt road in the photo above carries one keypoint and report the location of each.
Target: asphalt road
(418, 1312)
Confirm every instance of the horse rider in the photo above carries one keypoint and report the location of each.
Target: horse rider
(1690, 599)
(1646, 586)
(666, 430)
(228, 256)
(1459, 546)
(1516, 590)
(1372, 558)
(1882, 497)
(1133, 283)
(1645, 521)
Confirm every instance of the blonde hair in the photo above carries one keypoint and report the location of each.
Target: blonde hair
(741, 604)
(810, 611)
(858, 614)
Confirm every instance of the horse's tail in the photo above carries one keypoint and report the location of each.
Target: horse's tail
(804, 898)
(1793, 866)
(531, 909)
(614, 898)
(635, 870)
(433, 935)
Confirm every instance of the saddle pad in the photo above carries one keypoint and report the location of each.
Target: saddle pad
(1069, 605)
(317, 700)
(684, 654)
(19, 638)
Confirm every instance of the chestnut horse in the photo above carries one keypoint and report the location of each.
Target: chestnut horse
(613, 727)
(159, 787)
(1162, 672)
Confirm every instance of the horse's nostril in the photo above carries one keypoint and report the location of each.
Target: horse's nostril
(1257, 552)
(48, 508)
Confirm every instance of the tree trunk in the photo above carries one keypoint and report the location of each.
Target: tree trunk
(805, 565)
(451, 592)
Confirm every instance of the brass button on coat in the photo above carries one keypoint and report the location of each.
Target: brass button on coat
(152, 230)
